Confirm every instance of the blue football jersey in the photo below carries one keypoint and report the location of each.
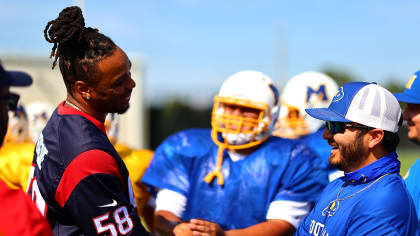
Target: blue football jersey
(279, 169)
(370, 201)
(318, 144)
(413, 186)
(323, 149)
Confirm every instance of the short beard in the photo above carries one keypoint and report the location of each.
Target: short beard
(120, 110)
(352, 154)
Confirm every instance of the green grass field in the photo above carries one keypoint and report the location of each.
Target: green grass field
(407, 158)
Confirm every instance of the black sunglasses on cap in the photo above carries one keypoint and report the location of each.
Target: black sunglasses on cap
(339, 127)
(12, 100)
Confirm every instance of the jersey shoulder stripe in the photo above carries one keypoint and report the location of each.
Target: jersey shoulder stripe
(87, 163)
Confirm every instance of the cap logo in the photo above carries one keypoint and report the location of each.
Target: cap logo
(339, 95)
(410, 81)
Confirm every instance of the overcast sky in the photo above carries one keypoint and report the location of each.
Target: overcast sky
(189, 46)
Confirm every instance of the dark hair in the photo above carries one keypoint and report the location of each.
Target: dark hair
(390, 141)
(78, 49)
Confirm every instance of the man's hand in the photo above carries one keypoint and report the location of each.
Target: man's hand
(205, 228)
(183, 229)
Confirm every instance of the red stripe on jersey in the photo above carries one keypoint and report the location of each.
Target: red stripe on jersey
(88, 163)
(62, 110)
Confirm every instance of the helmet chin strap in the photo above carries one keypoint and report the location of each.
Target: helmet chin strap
(235, 139)
(218, 170)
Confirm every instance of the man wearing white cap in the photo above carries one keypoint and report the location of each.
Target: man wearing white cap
(411, 114)
(371, 197)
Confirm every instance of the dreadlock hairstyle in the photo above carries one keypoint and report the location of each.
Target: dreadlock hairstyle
(78, 49)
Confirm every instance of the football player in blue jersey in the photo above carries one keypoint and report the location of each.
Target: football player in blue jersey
(371, 198)
(411, 114)
(307, 90)
(79, 181)
(235, 178)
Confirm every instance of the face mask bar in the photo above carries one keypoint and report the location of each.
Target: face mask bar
(221, 128)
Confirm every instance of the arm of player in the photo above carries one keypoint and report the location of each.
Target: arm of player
(165, 222)
(170, 206)
(269, 227)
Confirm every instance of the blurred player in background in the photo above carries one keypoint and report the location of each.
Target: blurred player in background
(236, 177)
(18, 150)
(79, 181)
(39, 113)
(371, 198)
(411, 114)
(307, 90)
(136, 161)
(18, 215)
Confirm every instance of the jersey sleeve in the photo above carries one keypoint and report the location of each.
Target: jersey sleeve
(169, 167)
(93, 192)
(304, 177)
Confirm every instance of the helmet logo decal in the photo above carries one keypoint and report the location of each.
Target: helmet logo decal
(322, 95)
(276, 93)
(410, 81)
(339, 95)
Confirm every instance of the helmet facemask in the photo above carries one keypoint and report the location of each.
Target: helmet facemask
(239, 132)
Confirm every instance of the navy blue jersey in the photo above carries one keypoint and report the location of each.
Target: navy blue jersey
(370, 201)
(79, 181)
(280, 169)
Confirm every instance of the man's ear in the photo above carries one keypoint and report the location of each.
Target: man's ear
(83, 90)
(375, 136)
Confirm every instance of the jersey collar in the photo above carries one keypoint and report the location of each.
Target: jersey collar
(384, 165)
(62, 110)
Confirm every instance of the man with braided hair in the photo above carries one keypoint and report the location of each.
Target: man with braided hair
(79, 181)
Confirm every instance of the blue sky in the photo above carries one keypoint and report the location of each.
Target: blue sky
(191, 46)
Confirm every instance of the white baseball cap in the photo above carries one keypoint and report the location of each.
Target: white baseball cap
(364, 103)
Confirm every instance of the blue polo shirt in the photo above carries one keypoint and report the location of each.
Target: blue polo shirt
(370, 201)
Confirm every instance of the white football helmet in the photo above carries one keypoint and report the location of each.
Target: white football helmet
(305, 90)
(249, 89)
(38, 114)
(18, 130)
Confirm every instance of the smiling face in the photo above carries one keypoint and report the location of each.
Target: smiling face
(112, 92)
(348, 149)
(412, 115)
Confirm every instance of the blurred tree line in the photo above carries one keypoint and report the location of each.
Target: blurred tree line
(176, 115)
